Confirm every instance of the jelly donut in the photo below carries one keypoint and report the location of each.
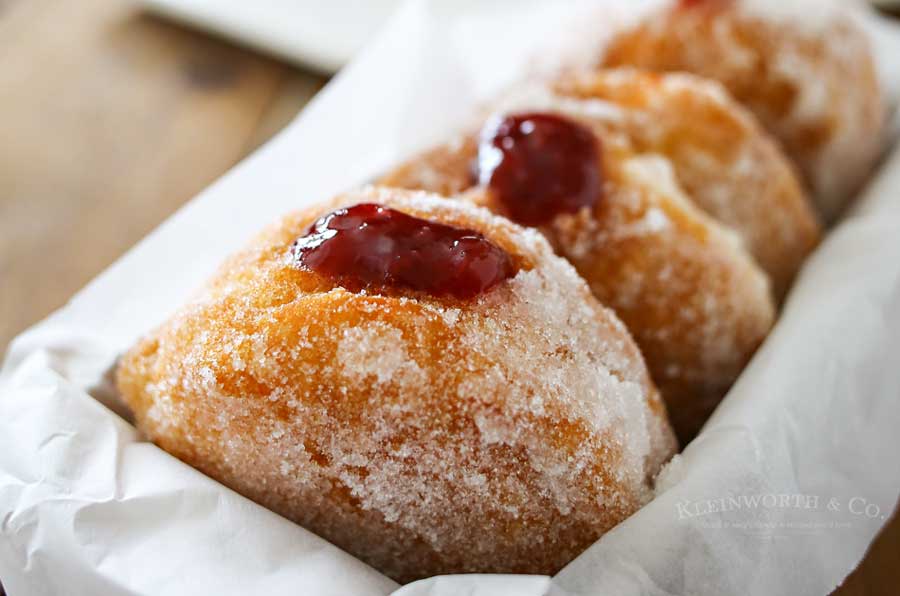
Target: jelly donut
(725, 162)
(422, 383)
(804, 68)
(695, 301)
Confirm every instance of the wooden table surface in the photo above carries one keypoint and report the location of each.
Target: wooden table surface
(111, 119)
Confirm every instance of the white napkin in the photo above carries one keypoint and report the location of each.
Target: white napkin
(315, 34)
(86, 507)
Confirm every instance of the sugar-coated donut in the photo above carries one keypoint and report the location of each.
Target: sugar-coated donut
(695, 301)
(501, 425)
(804, 68)
(725, 162)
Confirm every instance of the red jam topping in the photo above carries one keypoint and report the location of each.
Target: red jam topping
(540, 165)
(368, 244)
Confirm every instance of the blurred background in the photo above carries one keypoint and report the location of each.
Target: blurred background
(115, 113)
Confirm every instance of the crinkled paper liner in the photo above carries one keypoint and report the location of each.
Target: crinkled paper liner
(781, 493)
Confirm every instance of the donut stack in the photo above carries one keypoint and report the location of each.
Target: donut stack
(480, 363)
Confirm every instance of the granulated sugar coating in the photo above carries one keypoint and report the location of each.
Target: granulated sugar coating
(803, 67)
(725, 162)
(694, 299)
(425, 435)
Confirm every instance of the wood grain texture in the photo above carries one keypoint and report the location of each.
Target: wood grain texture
(879, 573)
(110, 120)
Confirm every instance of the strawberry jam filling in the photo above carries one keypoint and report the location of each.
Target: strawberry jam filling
(372, 245)
(539, 165)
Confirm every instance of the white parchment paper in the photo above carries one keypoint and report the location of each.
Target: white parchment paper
(781, 493)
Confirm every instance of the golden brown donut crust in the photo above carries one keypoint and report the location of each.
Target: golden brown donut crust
(724, 161)
(695, 301)
(808, 75)
(422, 435)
